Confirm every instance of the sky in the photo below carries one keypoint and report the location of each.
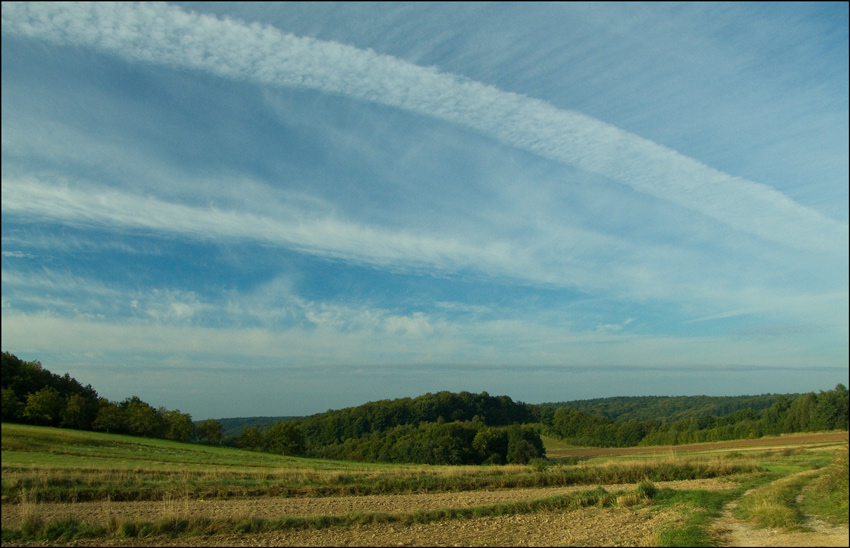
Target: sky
(252, 209)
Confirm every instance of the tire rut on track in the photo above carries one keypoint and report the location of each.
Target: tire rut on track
(730, 531)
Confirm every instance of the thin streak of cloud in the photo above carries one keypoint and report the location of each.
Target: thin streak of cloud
(325, 236)
(568, 262)
(422, 341)
(163, 34)
(613, 327)
(722, 316)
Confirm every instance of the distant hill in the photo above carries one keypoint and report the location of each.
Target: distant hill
(233, 426)
(666, 409)
(439, 428)
(670, 408)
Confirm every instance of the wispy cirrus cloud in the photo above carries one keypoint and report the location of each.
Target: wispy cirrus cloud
(167, 35)
(186, 193)
(325, 236)
(563, 257)
(379, 337)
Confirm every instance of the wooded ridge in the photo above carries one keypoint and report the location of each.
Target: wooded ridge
(440, 428)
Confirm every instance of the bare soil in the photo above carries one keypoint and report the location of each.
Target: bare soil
(585, 527)
(273, 507)
(729, 531)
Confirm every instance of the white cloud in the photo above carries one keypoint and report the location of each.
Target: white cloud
(555, 257)
(414, 340)
(292, 227)
(164, 34)
(613, 327)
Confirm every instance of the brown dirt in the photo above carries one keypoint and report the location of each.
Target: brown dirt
(586, 527)
(272, 507)
(788, 440)
(729, 531)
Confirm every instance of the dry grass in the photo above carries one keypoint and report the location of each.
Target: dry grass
(179, 474)
(828, 496)
(774, 505)
(70, 484)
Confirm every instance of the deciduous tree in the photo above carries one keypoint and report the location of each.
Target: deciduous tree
(178, 426)
(210, 430)
(44, 407)
(285, 438)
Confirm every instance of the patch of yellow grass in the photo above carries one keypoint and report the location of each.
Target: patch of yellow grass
(774, 505)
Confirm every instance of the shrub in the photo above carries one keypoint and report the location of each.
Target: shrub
(647, 490)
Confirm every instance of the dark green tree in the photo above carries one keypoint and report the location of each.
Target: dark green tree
(12, 407)
(110, 417)
(210, 430)
(250, 438)
(800, 413)
(629, 433)
(44, 407)
(178, 426)
(524, 444)
(142, 419)
(491, 443)
(285, 438)
(79, 412)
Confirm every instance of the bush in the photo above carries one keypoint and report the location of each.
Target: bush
(541, 465)
(647, 490)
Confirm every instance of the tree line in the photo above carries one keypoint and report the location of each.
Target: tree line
(789, 413)
(33, 395)
(441, 428)
(670, 408)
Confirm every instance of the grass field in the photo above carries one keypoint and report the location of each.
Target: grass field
(72, 486)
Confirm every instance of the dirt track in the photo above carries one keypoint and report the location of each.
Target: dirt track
(729, 531)
(796, 439)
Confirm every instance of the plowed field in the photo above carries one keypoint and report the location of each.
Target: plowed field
(621, 526)
(588, 527)
(272, 507)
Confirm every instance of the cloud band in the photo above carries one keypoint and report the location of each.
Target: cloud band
(167, 35)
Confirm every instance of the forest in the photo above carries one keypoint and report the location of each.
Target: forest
(670, 408)
(441, 428)
(34, 395)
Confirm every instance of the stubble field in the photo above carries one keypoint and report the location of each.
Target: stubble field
(82, 488)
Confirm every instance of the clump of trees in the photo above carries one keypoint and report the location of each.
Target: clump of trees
(457, 442)
(33, 395)
(441, 428)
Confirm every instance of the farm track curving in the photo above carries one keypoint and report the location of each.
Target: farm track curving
(730, 531)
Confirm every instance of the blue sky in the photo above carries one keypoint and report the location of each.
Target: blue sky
(277, 209)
